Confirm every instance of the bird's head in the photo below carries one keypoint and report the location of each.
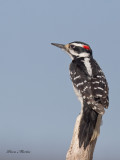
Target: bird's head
(76, 49)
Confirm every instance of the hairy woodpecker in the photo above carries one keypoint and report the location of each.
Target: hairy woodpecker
(91, 88)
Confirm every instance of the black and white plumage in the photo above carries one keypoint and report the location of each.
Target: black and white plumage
(91, 88)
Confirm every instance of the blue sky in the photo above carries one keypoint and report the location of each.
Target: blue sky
(38, 107)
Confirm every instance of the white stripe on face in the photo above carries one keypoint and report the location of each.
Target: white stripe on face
(77, 44)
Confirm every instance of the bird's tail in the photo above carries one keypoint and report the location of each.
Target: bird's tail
(88, 124)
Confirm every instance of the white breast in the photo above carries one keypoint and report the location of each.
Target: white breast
(77, 92)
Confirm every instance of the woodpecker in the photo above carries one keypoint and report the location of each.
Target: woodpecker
(91, 88)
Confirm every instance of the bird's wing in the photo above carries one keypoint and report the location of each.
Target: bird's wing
(94, 89)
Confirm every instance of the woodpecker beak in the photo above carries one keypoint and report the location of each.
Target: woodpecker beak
(62, 46)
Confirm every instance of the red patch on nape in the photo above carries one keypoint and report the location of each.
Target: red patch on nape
(86, 47)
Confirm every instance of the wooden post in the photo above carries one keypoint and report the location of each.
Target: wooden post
(76, 153)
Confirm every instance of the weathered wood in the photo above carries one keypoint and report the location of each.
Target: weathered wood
(76, 153)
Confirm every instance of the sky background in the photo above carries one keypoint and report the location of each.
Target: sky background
(38, 107)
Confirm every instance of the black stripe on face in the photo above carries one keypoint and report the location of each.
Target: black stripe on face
(78, 42)
(77, 48)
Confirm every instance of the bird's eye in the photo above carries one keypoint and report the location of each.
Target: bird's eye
(72, 46)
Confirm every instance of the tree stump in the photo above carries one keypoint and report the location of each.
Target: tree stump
(76, 153)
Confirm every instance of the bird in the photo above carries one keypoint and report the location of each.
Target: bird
(90, 86)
